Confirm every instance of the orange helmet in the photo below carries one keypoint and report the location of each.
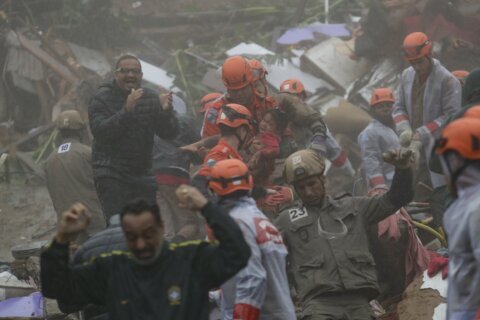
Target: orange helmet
(228, 176)
(462, 136)
(417, 45)
(236, 73)
(293, 86)
(234, 115)
(472, 112)
(381, 95)
(207, 100)
(258, 70)
(461, 75)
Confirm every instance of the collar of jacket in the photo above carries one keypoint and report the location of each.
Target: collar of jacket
(328, 201)
(234, 202)
(166, 251)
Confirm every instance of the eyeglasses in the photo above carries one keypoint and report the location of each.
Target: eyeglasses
(135, 71)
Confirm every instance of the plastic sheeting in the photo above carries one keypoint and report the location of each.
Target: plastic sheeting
(296, 35)
(30, 306)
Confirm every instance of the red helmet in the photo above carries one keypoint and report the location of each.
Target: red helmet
(417, 45)
(236, 73)
(381, 95)
(472, 112)
(462, 136)
(207, 99)
(293, 86)
(228, 176)
(258, 70)
(234, 115)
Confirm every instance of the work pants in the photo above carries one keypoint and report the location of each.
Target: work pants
(337, 307)
(114, 193)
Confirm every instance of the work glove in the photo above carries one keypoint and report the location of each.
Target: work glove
(318, 144)
(438, 264)
(416, 146)
(405, 138)
(243, 311)
(401, 158)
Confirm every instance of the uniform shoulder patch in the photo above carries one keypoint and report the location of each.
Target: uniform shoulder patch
(64, 147)
(297, 213)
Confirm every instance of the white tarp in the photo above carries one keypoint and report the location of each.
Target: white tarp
(249, 49)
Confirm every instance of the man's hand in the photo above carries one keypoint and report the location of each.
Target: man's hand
(73, 221)
(401, 158)
(133, 98)
(190, 198)
(166, 100)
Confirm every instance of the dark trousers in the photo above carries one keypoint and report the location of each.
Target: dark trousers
(115, 193)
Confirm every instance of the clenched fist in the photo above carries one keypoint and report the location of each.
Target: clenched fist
(73, 222)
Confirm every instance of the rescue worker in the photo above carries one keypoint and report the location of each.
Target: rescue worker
(68, 172)
(172, 168)
(238, 77)
(332, 151)
(471, 93)
(398, 253)
(124, 117)
(459, 150)
(235, 125)
(154, 280)
(379, 137)
(260, 290)
(333, 271)
(428, 93)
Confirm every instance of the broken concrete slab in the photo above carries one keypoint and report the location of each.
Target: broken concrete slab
(331, 60)
(90, 59)
(283, 69)
(213, 80)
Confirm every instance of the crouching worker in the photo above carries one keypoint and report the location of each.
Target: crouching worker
(260, 291)
(155, 279)
(333, 269)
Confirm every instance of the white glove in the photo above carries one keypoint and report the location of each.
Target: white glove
(416, 147)
(405, 138)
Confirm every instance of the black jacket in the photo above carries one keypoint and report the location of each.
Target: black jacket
(123, 140)
(166, 153)
(175, 287)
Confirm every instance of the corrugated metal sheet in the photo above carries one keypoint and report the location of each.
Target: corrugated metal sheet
(22, 62)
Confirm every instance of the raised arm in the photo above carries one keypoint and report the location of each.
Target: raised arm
(217, 263)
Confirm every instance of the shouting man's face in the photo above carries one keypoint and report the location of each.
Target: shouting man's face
(144, 236)
(129, 74)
